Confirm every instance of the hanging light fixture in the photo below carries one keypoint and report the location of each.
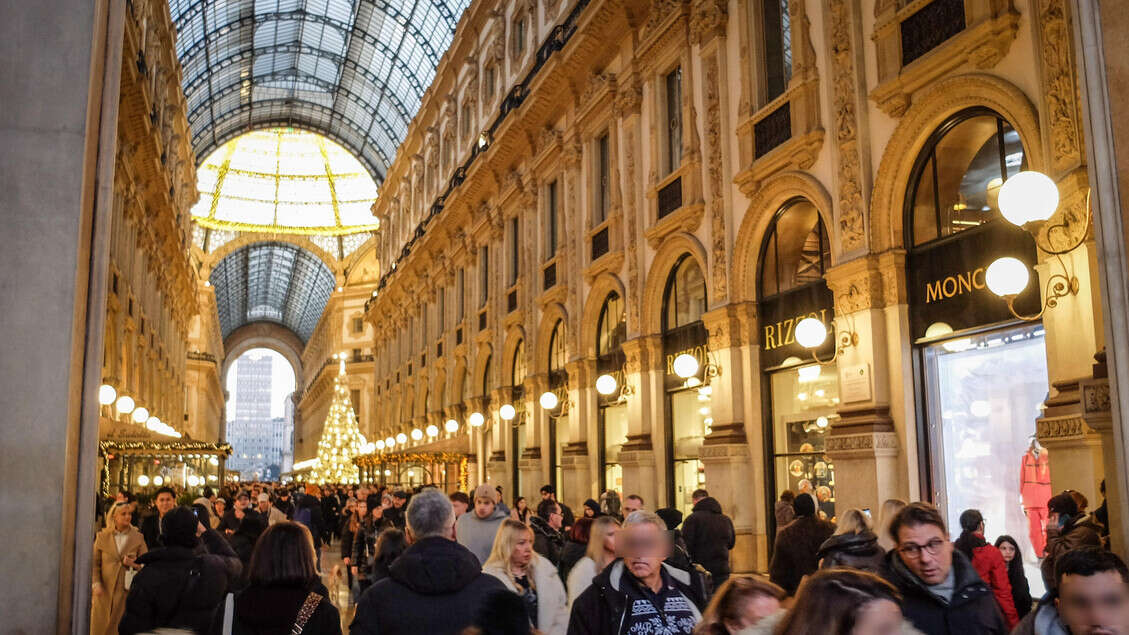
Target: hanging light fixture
(548, 400)
(507, 412)
(107, 394)
(606, 384)
(476, 419)
(685, 366)
(380, 444)
(432, 430)
(125, 404)
(390, 443)
(451, 425)
(140, 415)
(812, 333)
(417, 434)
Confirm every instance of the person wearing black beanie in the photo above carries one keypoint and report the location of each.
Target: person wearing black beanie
(183, 582)
(796, 553)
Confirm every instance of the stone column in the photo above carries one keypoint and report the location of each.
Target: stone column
(642, 455)
(579, 482)
(535, 471)
(863, 444)
(60, 95)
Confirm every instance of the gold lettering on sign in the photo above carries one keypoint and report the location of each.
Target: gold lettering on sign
(950, 286)
(698, 352)
(782, 333)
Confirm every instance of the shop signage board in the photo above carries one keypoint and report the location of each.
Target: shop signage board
(854, 383)
(779, 316)
(691, 339)
(947, 280)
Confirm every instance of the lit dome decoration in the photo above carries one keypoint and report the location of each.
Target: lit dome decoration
(287, 181)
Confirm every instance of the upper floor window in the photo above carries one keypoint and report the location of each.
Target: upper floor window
(603, 179)
(486, 376)
(489, 78)
(612, 329)
(956, 180)
(442, 313)
(518, 35)
(515, 250)
(483, 274)
(795, 251)
(517, 375)
(685, 299)
(466, 121)
(777, 29)
(557, 353)
(673, 140)
(358, 325)
(552, 221)
(460, 294)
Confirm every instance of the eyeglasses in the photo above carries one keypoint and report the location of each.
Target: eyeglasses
(913, 550)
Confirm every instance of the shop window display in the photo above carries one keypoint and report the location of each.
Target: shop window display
(610, 333)
(805, 400)
(615, 435)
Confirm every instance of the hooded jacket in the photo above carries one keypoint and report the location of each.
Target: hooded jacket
(546, 541)
(709, 536)
(972, 609)
(434, 587)
(600, 609)
(477, 534)
(796, 551)
(272, 610)
(552, 603)
(857, 551)
(1074, 534)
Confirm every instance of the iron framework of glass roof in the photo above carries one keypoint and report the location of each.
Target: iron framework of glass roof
(353, 70)
(273, 282)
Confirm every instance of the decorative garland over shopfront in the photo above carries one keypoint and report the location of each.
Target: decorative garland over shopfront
(377, 461)
(130, 454)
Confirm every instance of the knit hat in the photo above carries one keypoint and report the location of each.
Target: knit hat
(486, 491)
(1063, 503)
(264, 498)
(970, 519)
(671, 516)
(178, 528)
(804, 505)
(593, 505)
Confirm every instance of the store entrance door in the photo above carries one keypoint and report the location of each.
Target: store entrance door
(984, 393)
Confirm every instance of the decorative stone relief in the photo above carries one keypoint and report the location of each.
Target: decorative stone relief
(631, 214)
(716, 180)
(850, 201)
(1060, 92)
(862, 442)
(1060, 429)
(708, 20)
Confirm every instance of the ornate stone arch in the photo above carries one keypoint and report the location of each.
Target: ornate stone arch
(604, 284)
(439, 389)
(668, 255)
(552, 314)
(775, 192)
(210, 260)
(944, 99)
(515, 336)
(458, 379)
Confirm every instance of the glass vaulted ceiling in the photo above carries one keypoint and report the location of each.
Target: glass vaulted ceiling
(273, 282)
(353, 70)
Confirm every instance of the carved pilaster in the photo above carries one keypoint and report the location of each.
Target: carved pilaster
(716, 178)
(849, 175)
(1061, 112)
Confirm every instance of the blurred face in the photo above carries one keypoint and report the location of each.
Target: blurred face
(122, 518)
(165, 502)
(878, 617)
(643, 548)
(523, 550)
(362, 508)
(460, 508)
(120, 498)
(522, 505)
(588, 513)
(753, 610)
(631, 505)
(1007, 550)
(397, 502)
(609, 540)
(264, 506)
(926, 551)
(483, 507)
(243, 502)
(220, 505)
(1094, 605)
(556, 518)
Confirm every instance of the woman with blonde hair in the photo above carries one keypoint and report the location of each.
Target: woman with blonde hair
(740, 603)
(852, 545)
(599, 554)
(116, 547)
(528, 574)
(890, 508)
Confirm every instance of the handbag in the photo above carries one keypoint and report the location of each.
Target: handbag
(228, 613)
(129, 575)
(304, 613)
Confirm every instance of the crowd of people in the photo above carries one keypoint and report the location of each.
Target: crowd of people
(249, 560)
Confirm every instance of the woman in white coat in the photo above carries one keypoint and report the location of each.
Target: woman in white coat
(600, 553)
(533, 578)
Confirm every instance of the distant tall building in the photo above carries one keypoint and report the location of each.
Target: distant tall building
(261, 445)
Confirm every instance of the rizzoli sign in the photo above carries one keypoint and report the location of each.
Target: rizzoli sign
(779, 315)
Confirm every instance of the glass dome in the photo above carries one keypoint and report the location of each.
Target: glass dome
(287, 181)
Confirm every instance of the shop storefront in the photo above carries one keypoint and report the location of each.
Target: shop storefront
(981, 374)
(446, 470)
(142, 465)
(688, 394)
(803, 391)
(611, 428)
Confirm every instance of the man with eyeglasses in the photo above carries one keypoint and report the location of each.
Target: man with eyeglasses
(943, 594)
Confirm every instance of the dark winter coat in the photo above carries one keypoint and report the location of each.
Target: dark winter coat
(572, 552)
(989, 564)
(179, 587)
(1075, 534)
(1020, 589)
(346, 537)
(364, 544)
(272, 610)
(972, 610)
(857, 551)
(600, 609)
(546, 541)
(309, 514)
(151, 530)
(796, 553)
(709, 536)
(434, 587)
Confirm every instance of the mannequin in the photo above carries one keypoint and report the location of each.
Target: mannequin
(1035, 491)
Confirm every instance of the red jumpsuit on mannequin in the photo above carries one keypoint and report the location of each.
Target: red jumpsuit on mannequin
(1035, 488)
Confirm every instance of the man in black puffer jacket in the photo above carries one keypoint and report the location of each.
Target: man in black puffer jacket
(709, 536)
(435, 587)
(180, 585)
(942, 592)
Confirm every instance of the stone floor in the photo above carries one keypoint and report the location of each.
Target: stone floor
(336, 580)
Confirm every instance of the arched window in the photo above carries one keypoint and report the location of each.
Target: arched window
(557, 353)
(956, 180)
(611, 329)
(517, 373)
(685, 299)
(486, 376)
(795, 251)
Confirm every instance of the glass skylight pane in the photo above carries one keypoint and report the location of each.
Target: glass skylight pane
(356, 213)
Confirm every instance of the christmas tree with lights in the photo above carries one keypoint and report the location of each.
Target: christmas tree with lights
(341, 439)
